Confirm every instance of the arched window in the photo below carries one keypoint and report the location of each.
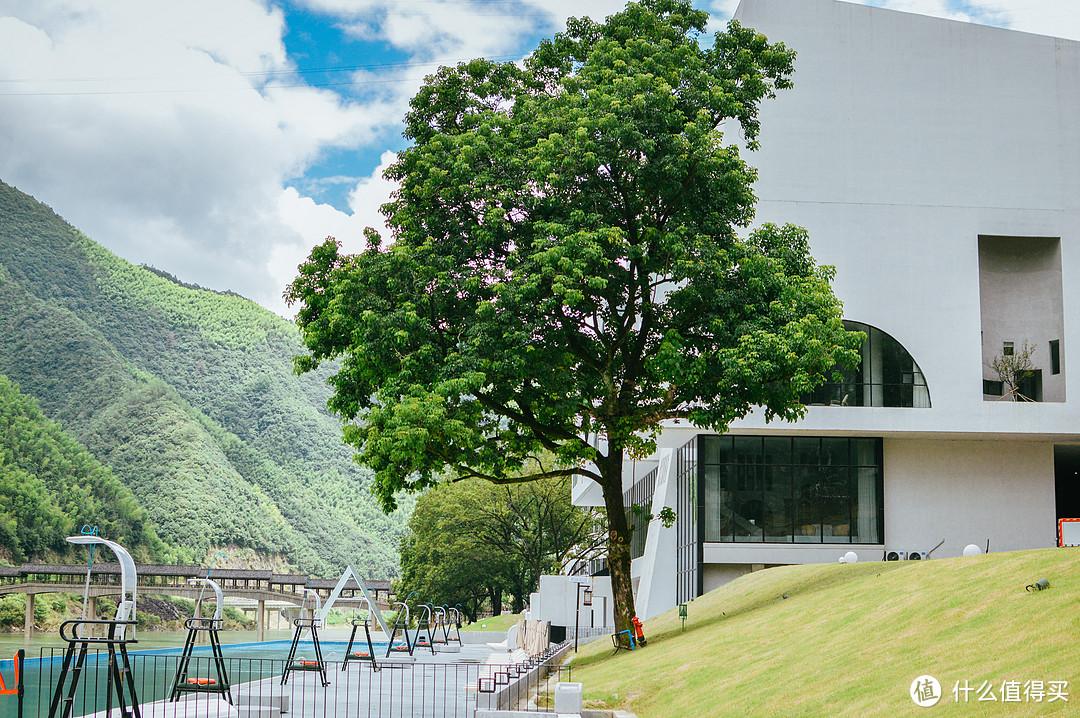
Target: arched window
(886, 376)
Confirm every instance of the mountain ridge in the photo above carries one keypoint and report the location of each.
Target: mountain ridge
(188, 395)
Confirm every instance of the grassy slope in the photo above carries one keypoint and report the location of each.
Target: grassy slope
(187, 395)
(849, 640)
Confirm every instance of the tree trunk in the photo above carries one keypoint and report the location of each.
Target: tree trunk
(495, 594)
(618, 540)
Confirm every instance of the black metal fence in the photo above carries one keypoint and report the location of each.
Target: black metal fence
(435, 688)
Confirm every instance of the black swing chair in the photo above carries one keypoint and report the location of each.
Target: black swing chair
(312, 624)
(440, 633)
(119, 633)
(196, 626)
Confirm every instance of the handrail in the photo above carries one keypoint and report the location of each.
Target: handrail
(111, 638)
(217, 594)
(406, 607)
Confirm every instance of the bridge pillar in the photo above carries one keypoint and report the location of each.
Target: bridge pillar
(28, 622)
(91, 613)
(260, 622)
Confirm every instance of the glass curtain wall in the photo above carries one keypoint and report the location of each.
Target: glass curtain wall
(791, 489)
(640, 495)
(688, 548)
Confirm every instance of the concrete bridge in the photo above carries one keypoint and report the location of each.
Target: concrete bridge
(258, 586)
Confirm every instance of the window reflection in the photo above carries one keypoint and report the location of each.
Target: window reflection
(886, 376)
(792, 489)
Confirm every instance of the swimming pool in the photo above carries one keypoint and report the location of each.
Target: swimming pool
(155, 669)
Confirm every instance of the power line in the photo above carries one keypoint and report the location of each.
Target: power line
(376, 66)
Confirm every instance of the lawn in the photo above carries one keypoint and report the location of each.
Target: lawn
(849, 640)
(494, 623)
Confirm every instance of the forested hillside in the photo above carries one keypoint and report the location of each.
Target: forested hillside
(187, 395)
(50, 487)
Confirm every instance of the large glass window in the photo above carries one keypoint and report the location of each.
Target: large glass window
(637, 502)
(886, 376)
(688, 548)
(791, 489)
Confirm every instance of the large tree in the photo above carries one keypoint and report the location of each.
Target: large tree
(566, 266)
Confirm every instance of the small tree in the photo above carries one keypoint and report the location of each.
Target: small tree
(567, 266)
(474, 540)
(1012, 368)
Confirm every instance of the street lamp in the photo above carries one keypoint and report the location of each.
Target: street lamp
(581, 582)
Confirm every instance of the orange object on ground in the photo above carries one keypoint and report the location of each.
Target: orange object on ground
(639, 633)
(362, 655)
(4, 690)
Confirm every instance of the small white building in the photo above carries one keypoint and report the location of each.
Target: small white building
(936, 165)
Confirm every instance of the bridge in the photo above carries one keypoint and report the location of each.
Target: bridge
(256, 585)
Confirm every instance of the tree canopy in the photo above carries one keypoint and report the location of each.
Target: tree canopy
(567, 272)
(474, 542)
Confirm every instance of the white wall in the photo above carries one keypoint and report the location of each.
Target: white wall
(555, 602)
(903, 140)
(715, 575)
(967, 492)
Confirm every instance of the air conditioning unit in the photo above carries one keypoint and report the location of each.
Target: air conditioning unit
(894, 555)
(916, 556)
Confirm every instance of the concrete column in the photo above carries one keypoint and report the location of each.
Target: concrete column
(91, 614)
(260, 621)
(28, 623)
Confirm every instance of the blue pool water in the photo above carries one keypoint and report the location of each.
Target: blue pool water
(155, 669)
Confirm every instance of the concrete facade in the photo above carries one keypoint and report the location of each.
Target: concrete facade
(906, 142)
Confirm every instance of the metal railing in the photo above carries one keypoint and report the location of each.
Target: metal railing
(437, 688)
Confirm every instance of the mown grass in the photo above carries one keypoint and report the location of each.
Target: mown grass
(849, 639)
(501, 622)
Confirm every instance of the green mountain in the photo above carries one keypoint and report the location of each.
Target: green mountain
(50, 486)
(188, 396)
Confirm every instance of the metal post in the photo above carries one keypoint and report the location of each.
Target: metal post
(577, 613)
(21, 658)
(91, 612)
(260, 621)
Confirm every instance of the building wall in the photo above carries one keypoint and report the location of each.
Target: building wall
(558, 601)
(715, 575)
(968, 492)
(904, 139)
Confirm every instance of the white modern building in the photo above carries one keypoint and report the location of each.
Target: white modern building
(936, 165)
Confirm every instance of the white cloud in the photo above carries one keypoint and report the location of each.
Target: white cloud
(310, 223)
(169, 131)
(136, 123)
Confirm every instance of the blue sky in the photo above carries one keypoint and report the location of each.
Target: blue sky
(221, 139)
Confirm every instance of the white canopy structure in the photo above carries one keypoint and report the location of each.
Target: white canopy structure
(125, 607)
(217, 593)
(351, 573)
